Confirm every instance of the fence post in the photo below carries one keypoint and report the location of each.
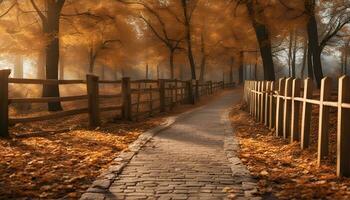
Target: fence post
(323, 122)
(287, 108)
(255, 98)
(258, 102)
(93, 100)
(4, 102)
(295, 130)
(189, 89)
(262, 109)
(267, 103)
(161, 95)
(279, 107)
(272, 118)
(197, 90)
(306, 114)
(126, 94)
(343, 135)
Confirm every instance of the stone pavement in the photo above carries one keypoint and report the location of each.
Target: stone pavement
(195, 158)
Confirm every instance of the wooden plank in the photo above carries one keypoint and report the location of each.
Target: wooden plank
(4, 111)
(111, 108)
(272, 113)
(323, 122)
(47, 99)
(343, 127)
(126, 99)
(287, 109)
(255, 99)
(258, 102)
(306, 115)
(279, 107)
(110, 96)
(262, 101)
(93, 100)
(267, 103)
(144, 81)
(110, 82)
(44, 81)
(295, 125)
(55, 115)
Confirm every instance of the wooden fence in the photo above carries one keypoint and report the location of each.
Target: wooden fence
(286, 107)
(162, 95)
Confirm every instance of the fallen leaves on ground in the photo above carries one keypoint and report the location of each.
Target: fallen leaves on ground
(56, 165)
(283, 170)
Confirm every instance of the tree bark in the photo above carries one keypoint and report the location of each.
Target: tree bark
(294, 55)
(52, 27)
(314, 47)
(203, 60)
(189, 39)
(171, 62)
(302, 72)
(240, 67)
(61, 64)
(264, 40)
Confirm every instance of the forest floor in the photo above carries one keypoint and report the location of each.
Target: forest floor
(282, 169)
(61, 158)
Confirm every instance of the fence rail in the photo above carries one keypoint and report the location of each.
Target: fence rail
(152, 95)
(286, 107)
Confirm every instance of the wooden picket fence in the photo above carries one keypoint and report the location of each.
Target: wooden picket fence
(162, 95)
(286, 107)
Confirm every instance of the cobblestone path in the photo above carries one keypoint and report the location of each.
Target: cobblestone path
(185, 161)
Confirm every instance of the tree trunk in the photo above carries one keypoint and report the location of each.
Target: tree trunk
(171, 62)
(314, 47)
(302, 72)
(18, 72)
(91, 61)
(264, 40)
(240, 67)
(203, 60)
(189, 39)
(61, 68)
(147, 72)
(346, 58)
(52, 54)
(310, 67)
(290, 54)
(294, 55)
(158, 72)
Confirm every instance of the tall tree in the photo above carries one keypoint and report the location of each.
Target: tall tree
(256, 15)
(188, 13)
(50, 19)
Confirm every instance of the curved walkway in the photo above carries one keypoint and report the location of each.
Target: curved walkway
(188, 160)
